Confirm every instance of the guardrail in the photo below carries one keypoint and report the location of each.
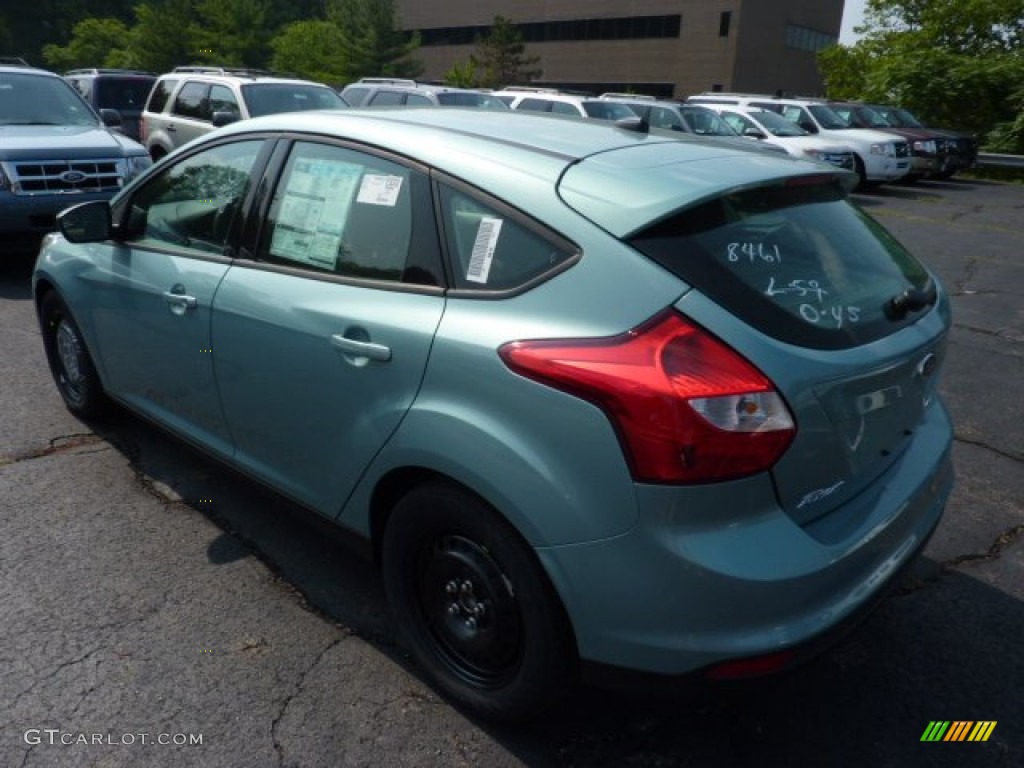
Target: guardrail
(1000, 161)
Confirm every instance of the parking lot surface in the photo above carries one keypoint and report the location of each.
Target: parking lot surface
(159, 610)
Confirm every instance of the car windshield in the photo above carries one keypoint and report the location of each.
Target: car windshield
(777, 125)
(907, 119)
(706, 122)
(271, 98)
(470, 99)
(872, 119)
(607, 110)
(122, 93)
(41, 100)
(827, 118)
(798, 261)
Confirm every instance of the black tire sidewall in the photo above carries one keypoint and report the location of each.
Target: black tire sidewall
(547, 666)
(52, 311)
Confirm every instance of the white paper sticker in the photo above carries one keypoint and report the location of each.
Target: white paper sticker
(379, 190)
(312, 215)
(483, 249)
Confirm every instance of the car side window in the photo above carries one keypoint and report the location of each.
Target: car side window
(491, 250)
(161, 93)
(563, 108)
(223, 100)
(417, 100)
(192, 102)
(386, 99)
(347, 213)
(192, 204)
(534, 105)
(660, 117)
(739, 123)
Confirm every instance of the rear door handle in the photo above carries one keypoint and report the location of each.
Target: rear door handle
(358, 348)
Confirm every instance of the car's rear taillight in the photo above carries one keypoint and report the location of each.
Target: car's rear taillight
(143, 130)
(688, 408)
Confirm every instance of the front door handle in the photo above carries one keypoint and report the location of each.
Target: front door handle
(359, 348)
(180, 303)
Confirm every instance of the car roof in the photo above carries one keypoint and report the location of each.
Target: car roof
(611, 170)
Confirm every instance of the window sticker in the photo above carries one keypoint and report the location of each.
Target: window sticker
(314, 210)
(483, 249)
(377, 189)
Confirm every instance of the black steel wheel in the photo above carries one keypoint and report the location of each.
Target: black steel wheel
(474, 605)
(70, 363)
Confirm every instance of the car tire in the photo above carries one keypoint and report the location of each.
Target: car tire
(862, 174)
(69, 359)
(474, 605)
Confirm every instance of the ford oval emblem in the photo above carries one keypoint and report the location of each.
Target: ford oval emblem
(73, 177)
(927, 366)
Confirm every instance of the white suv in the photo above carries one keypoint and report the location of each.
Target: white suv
(879, 156)
(394, 92)
(558, 103)
(190, 101)
(772, 128)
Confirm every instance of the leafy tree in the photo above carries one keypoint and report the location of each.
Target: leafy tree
(462, 75)
(231, 33)
(500, 57)
(312, 49)
(94, 43)
(953, 62)
(375, 46)
(162, 37)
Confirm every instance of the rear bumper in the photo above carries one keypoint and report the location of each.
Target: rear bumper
(692, 587)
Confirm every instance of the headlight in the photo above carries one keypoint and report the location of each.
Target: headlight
(880, 149)
(927, 147)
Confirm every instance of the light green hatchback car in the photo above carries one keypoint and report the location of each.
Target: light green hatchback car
(603, 403)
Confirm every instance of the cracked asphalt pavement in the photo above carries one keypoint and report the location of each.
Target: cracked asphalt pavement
(159, 610)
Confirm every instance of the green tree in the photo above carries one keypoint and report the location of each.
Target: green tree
(94, 43)
(500, 57)
(312, 49)
(953, 62)
(374, 44)
(462, 75)
(162, 36)
(231, 33)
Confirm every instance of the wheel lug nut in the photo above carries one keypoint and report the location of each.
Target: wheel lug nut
(453, 609)
(451, 587)
(470, 622)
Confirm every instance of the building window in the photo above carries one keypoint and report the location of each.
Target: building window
(804, 39)
(618, 28)
(723, 23)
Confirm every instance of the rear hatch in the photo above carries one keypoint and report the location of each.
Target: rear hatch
(848, 326)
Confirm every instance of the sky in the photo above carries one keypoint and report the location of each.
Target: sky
(853, 15)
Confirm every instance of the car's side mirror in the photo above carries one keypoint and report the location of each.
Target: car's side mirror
(110, 117)
(85, 222)
(753, 133)
(224, 118)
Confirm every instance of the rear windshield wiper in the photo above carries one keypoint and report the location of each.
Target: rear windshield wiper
(911, 300)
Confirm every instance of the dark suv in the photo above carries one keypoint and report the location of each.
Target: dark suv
(54, 151)
(927, 150)
(124, 90)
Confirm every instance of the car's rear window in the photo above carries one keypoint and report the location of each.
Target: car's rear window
(124, 93)
(799, 262)
(273, 98)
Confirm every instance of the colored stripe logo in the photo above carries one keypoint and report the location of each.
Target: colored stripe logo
(958, 730)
